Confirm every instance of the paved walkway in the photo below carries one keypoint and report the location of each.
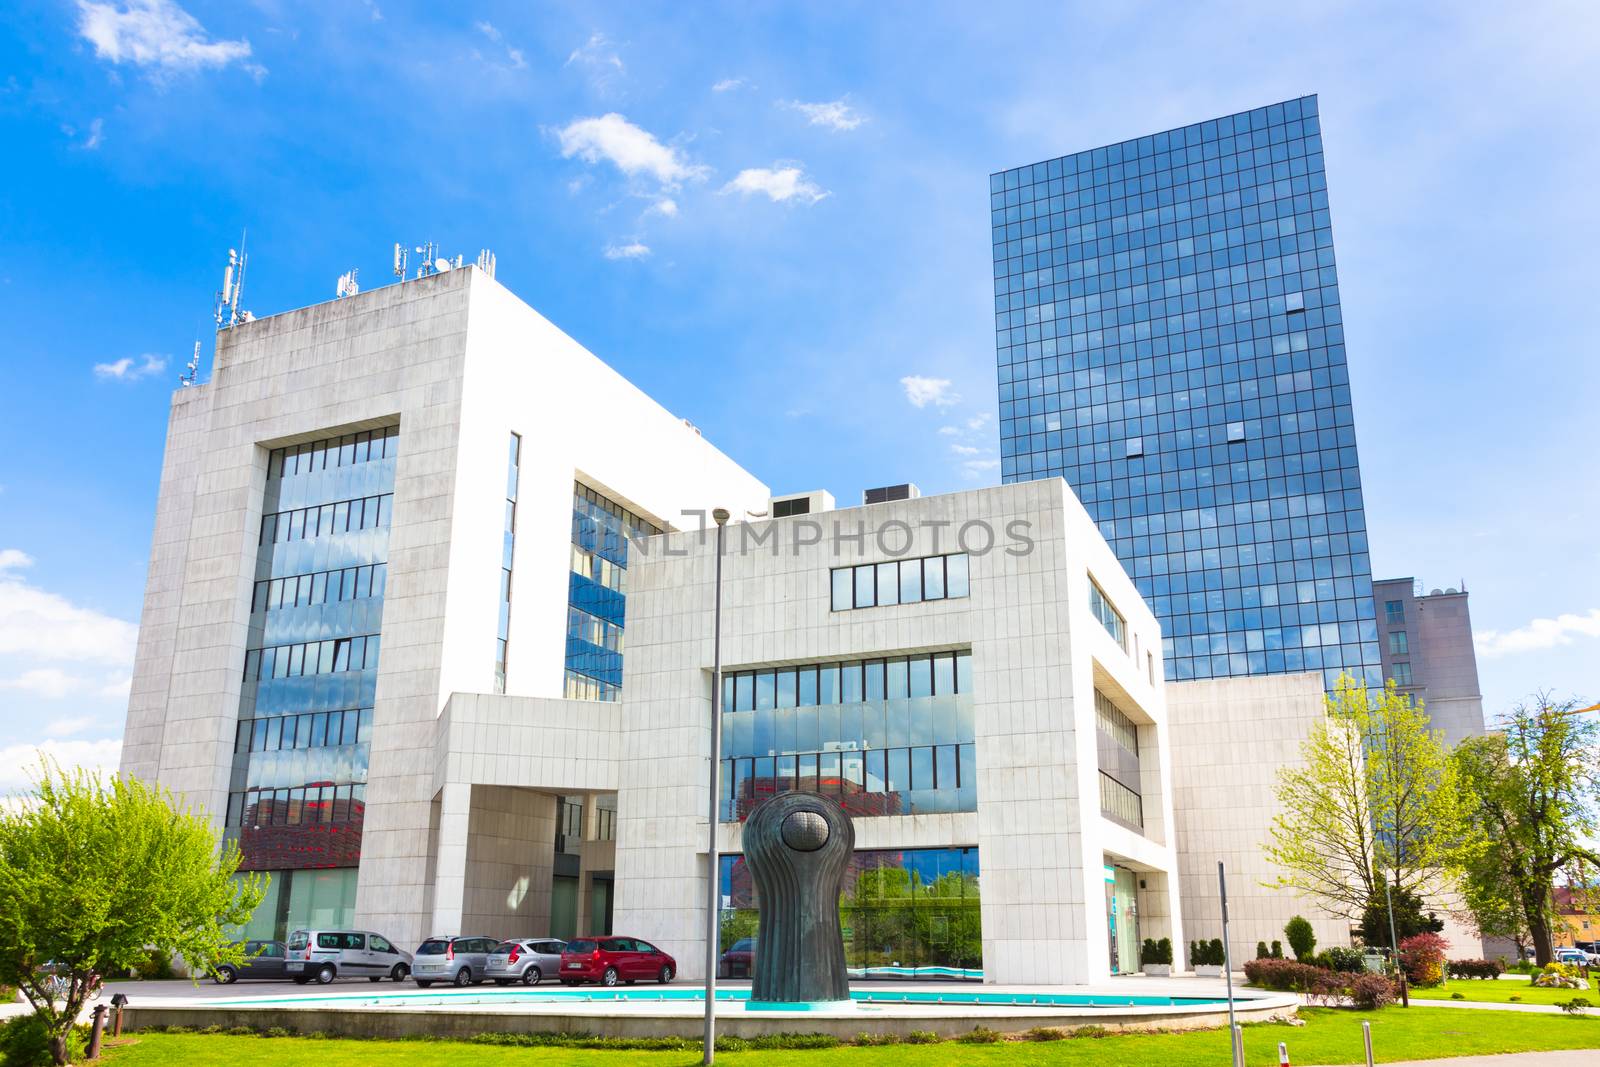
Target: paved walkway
(1570, 1058)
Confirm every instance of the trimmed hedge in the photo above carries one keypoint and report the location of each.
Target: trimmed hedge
(1319, 984)
(1475, 968)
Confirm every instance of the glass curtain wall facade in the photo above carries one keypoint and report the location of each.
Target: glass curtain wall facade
(884, 737)
(1169, 341)
(596, 601)
(507, 555)
(298, 783)
(905, 914)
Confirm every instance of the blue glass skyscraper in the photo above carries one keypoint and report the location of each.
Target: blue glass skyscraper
(1169, 341)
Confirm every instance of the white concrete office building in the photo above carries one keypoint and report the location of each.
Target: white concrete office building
(374, 504)
(399, 540)
(971, 675)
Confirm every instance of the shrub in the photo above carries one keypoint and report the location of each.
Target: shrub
(922, 1037)
(1423, 956)
(1302, 939)
(157, 966)
(865, 1038)
(1045, 1033)
(1091, 1031)
(1345, 960)
(1474, 969)
(25, 1042)
(1283, 975)
(1164, 947)
(1277, 950)
(1370, 992)
(1575, 1006)
(980, 1035)
(1261, 950)
(1147, 951)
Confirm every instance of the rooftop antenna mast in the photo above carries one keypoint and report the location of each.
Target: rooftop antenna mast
(349, 285)
(402, 258)
(192, 370)
(228, 314)
(486, 262)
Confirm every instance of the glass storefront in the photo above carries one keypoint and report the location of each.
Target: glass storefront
(304, 900)
(906, 914)
(1122, 919)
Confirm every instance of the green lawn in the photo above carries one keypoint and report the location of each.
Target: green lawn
(1501, 990)
(1330, 1037)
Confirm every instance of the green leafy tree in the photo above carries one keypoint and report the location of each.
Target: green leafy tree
(1535, 791)
(1409, 918)
(1302, 939)
(95, 876)
(1377, 798)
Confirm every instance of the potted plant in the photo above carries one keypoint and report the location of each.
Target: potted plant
(1154, 960)
(1206, 957)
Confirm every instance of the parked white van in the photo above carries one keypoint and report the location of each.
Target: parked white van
(323, 955)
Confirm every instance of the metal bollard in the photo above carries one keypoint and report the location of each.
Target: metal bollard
(1283, 1055)
(1366, 1036)
(95, 1028)
(1238, 1045)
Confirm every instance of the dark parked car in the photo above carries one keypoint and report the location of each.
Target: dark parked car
(262, 959)
(609, 960)
(737, 961)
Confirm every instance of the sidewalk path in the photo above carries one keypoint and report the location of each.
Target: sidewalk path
(1583, 1057)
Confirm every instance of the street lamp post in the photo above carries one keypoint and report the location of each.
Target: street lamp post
(713, 861)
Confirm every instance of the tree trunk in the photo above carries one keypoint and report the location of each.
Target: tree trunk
(1540, 932)
(58, 1048)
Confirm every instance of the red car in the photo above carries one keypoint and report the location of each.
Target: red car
(610, 959)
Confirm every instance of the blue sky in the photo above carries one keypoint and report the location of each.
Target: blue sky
(770, 217)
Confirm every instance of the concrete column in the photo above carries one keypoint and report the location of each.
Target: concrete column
(450, 861)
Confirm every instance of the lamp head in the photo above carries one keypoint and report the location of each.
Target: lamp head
(720, 515)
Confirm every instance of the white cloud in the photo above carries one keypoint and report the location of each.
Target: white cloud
(155, 34)
(118, 688)
(632, 150)
(92, 137)
(924, 391)
(19, 764)
(67, 727)
(127, 370)
(834, 114)
(950, 431)
(964, 450)
(13, 559)
(1537, 635)
(633, 250)
(728, 84)
(778, 183)
(42, 625)
(666, 206)
(514, 56)
(976, 468)
(978, 421)
(51, 683)
(599, 57)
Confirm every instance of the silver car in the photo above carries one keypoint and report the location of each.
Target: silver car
(323, 955)
(458, 960)
(525, 960)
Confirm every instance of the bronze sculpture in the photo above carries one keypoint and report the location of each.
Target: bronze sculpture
(796, 846)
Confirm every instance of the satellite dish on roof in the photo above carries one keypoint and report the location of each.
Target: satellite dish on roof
(441, 265)
(1437, 592)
